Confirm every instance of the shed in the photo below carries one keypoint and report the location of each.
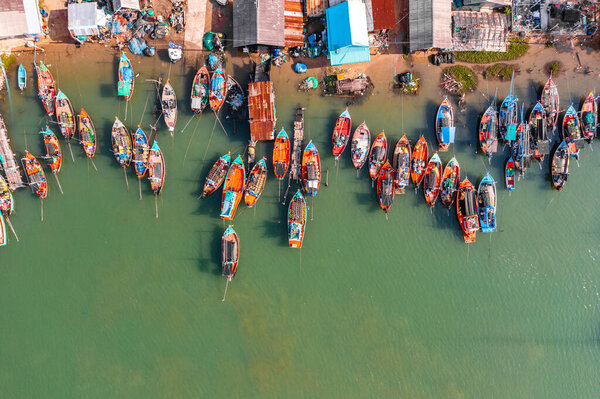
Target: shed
(125, 4)
(258, 22)
(261, 107)
(347, 36)
(82, 19)
(19, 18)
(478, 31)
(423, 32)
(294, 23)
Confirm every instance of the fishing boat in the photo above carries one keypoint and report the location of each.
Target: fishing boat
(589, 117)
(377, 155)
(175, 52)
(571, 131)
(156, 168)
(551, 103)
(230, 253)
(216, 175)
(486, 202)
(444, 125)
(401, 164)
(509, 114)
(450, 183)
(296, 220)
(418, 164)
(256, 182)
(53, 152)
(218, 88)
(35, 175)
(64, 115)
(200, 89)
(341, 133)
(87, 134)
(538, 128)
(121, 143)
(169, 106)
(488, 130)
(281, 155)
(466, 210)
(234, 96)
(22, 77)
(509, 174)
(385, 186)
(311, 170)
(432, 180)
(140, 153)
(46, 88)
(521, 147)
(359, 148)
(233, 188)
(6, 198)
(560, 166)
(2, 231)
(126, 80)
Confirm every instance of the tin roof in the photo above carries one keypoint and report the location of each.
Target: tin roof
(423, 32)
(82, 15)
(315, 8)
(384, 14)
(261, 106)
(294, 23)
(19, 18)
(477, 31)
(258, 22)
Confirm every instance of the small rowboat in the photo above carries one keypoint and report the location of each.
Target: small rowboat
(488, 131)
(486, 202)
(433, 180)
(551, 102)
(377, 155)
(22, 77)
(6, 198)
(233, 188)
(156, 168)
(64, 115)
(509, 174)
(509, 115)
(560, 166)
(444, 125)
(216, 175)
(571, 131)
(466, 210)
(35, 175)
(589, 117)
(296, 220)
(538, 128)
(46, 88)
(234, 96)
(218, 89)
(169, 106)
(385, 187)
(121, 143)
(450, 183)
(419, 161)
(401, 165)
(53, 152)
(281, 155)
(87, 134)
(256, 182)
(200, 89)
(359, 148)
(311, 170)
(230, 250)
(341, 133)
(140, 153)
(126, 82)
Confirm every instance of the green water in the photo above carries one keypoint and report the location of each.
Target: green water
(103, 300)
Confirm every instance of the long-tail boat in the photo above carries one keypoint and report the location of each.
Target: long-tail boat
(444, 125)
(560, 166)
(156, 168)
(256, 182)
(488, 130)
(509, 174)
(521, 147)
(35, 175)
(53, 153)
(296, 220)
(126, 82)
(538, 128)
(216, 175)
(46, 88)
(418, 164)
(385, 186)
(87, 134)
(281, 155)
(341, 133)
(433, 180)
(22, 77)
(589, 117)
(401, 164)
(311, 170)
(140, 153)
(6, 198)
(121, 143)
(571, 131)
(377, 155)
(2, 231)
(218, 89)
(359, 148)
(234, 94)
(466, 210)
(65, 115)
(551, 103)
(200, 89)
(450, 183)
(486, 202)
(509, 115)
(230, 253)
(233, 189)
(168, 103)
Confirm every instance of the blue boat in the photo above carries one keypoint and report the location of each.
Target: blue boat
(22, 77)
(508, 116)
(486, 199)
(444, 125)
(218, 89)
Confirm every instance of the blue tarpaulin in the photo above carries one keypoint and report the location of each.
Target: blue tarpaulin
(347, 35)
(448, 134)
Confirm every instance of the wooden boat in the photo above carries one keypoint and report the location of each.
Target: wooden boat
(64, 115)
(256, 182)
(46, 88)
(509, 174)
(377, 155)
(53, 152)
(216, 175)
(433, 180)
(296, 220)
(444, 125)
(571, 131)
(341, 134)
(418, 164)
(169, 106)
(218, 88)
(560, 166)
(35, 175)
(126, 78)
(450, 183)
(87, 134)
(6, 198)
(359, 148)
(311, 170)
(234, 96)
(156, 168)
(488, 130)
(486, 202)
(466, 210)
(509, 115)
(385, 186)
(2, 231)
(200, 89)
(230, 253)
(521, 147)
(22, 77)
(589, 117)
(140, 153)
(538, 127)
(401, 164)
(281, 155)
(121, 143)
(233, 188)
(551, 102)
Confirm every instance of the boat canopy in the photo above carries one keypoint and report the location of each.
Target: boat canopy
(511, 132)
(448, 134)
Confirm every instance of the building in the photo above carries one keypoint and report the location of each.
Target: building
(424, 33)
(315, 8)
(258, 22)
(347, 35)
(477, 31)
(19, 18)
(294, 23)
(381, 14)
(82, 19)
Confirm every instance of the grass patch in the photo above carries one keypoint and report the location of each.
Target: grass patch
(554, 68)
(499, 71)
(8, 60)
(516, 48)
(465, 78)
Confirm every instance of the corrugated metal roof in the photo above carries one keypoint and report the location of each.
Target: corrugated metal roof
(477, 31)
(294, 23)
(19, 18)
(261, 106)
(258, 22)
(423, 32)
(347, 36)
(82, 16)
(130, 4)
(315, 8)
(384, 14)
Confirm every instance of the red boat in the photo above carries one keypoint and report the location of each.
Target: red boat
(311, 170)
(378, 155)
(341, 133)
(233, 189)
(450, 182)
(401, 164)
(509, 174)
(385, 187)
(216, 175)
(46, 88)
(466, 210)
(35, 175)
(281, 155)
(432, 180)
(419, 161)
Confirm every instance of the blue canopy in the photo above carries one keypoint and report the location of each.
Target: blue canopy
(448, 134)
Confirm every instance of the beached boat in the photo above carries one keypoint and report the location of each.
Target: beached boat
(35, 175)
(571, 131)
(377, 155)
(486, 202)
(418, 164)
(64, 115)
(509, 115)
(401, 164)
(560, 166)
(22, 77)
(230, 253)
(509, 174)
(551, 103)
(200, 89)
(281, 155)
(46, 88)
(53, 153)
(359, 148)
(385, 186)
(256, 182)
(140, 153)
(444, 125)
(216, 175)
(169, 106)
(432, 180)
(121, 143)
(450, 183)
(538, 128)
(341, 133)
(6, 198)
(233, 189)
(126, 82)
(218, 89)
(466, 210)
(589, 117)
(311, 170)
(87, 134)
(234, 96)
(488, 130)
(156, 168)
(296, 220)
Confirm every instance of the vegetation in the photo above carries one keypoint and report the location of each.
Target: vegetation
(8, 60)
(516, 48)
(465, 77)
(554, 68)
(499, 71)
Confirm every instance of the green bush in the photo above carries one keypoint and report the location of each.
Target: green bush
(516, 48)
(554, 68)
(8, 60)
(499, 71)
(465, 75)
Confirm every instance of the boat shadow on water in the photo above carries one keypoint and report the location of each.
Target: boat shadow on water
(212, 263)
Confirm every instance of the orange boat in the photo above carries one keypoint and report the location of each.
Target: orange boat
(450, 182)
(311, 170)
(419, 161)
(87, 134)
(233, 188)
(46, 88)
(256, 182)
(466, 210)
(432, 180)
(53, 152)
(35, 175)
(401, 165)
(378, 155)
(281, 155)
(156, 168)
(385, 187)
(341, 133)
(296, 220)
